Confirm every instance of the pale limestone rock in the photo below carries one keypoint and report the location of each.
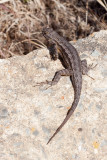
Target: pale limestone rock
(30, 115)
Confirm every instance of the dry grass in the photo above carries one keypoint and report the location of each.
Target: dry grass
(18, 23)
(103, 3)
(21, 22)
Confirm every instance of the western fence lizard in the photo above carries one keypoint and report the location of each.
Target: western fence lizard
(74, 67)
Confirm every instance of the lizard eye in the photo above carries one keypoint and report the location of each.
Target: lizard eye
(47, 31)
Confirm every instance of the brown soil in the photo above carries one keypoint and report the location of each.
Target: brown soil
(23, 20)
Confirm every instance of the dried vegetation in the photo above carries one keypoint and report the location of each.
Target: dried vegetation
(21, 22)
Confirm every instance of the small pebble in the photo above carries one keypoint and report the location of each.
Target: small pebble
(80, 129)
(95, 53)
(3, 113)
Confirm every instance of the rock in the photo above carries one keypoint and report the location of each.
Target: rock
(30, 114)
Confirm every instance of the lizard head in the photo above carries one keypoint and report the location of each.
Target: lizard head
(48, 32)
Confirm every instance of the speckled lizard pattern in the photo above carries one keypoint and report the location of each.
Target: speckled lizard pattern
(74, 67)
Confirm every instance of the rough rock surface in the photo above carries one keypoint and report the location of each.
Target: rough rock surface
(30, 114)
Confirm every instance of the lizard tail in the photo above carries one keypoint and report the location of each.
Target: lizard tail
(69, 113)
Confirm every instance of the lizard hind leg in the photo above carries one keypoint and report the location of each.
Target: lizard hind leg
(56, 78)
(58, 74)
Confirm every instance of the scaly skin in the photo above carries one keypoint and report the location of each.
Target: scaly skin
(73, 67)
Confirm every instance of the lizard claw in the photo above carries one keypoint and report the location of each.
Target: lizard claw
(48, 87)
(91, 66)
(90, 77)
(43, 83)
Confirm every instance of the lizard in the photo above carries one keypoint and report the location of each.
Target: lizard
(61, 49)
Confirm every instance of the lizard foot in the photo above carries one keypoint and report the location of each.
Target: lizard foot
(91, 66)
(43, 83)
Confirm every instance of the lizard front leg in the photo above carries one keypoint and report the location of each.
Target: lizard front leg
(53, 51)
